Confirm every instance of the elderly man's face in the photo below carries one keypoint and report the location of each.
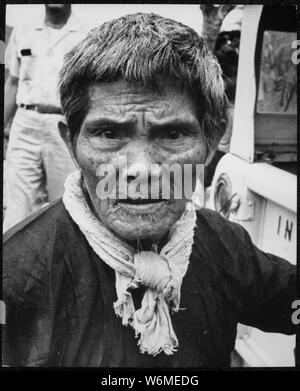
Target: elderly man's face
(145, 127)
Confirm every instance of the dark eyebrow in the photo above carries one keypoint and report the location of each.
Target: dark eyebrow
(192, 127)
(156, 128)
(99, 122)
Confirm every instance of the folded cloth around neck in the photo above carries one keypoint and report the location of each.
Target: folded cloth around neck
(161, 273)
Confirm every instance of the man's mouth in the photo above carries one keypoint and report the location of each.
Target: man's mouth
(142, 204)
(141, 201)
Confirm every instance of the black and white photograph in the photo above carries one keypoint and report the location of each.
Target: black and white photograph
(149, 187)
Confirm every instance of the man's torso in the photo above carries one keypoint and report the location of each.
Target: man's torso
(66, 294)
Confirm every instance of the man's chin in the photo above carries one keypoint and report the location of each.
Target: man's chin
(133, 225)
(56, 7)
(134, 232)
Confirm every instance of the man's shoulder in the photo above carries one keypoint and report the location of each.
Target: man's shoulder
(211, 225)
(77, 24)
(36, 230)
(32, 248)
(28, 25)
(215, 220)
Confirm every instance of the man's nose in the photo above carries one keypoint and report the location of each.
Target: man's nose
(140, 162)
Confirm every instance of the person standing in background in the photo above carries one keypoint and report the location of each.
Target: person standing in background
(37, 161)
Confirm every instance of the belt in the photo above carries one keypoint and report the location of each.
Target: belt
(43, 109)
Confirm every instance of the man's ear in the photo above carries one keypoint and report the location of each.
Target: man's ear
(64, 132)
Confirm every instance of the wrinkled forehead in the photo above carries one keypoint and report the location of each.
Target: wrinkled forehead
(165, 98)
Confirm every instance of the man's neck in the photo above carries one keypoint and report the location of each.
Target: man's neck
(154, 245)
(56, 19)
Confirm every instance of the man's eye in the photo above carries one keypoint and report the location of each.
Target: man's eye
(108, 133)
(173, 134)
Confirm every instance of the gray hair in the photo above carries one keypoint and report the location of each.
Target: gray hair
(139, 48)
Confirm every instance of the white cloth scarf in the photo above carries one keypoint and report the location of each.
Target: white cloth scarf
(161, 273)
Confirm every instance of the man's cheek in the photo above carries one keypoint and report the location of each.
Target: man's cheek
(89, 167)
(89, 158)
(194, 155)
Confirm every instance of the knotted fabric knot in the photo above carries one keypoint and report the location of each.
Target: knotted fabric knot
(152, 270)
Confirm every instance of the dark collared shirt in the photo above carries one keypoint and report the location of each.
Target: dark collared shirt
(59, 297)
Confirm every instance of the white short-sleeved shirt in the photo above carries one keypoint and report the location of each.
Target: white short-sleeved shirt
(35, 55)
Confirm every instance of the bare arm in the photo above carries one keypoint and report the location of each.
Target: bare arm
(10, 93)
